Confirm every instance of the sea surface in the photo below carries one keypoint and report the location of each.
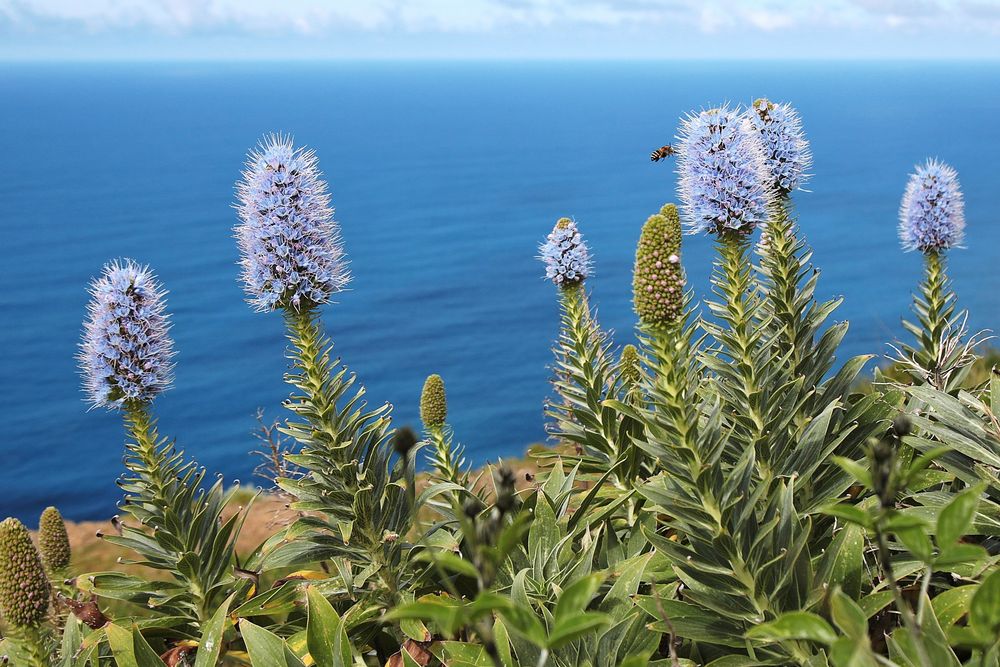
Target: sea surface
(445, 177)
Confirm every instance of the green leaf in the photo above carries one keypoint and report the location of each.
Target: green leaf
(635, 661)
(450, 562)
(267, 649)
(502, 641)
(211, 639)
(415, 629)
(72, 640)
(958, 554)
(848, 652)
(873, 603)
(912, 532)
(446, 613)
(795, 625)
(984, 609)
(573, 626)
(951, 605)
(130, 648)
(956, 517)
(843, 563)
(848, 616)
(543, 536)
(325, 634)
(524, 622)
(855, 469)
(850, 513)
(575, 597)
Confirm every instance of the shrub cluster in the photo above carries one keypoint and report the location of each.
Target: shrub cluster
(718, 491)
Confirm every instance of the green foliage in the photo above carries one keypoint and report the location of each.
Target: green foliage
(180, 531)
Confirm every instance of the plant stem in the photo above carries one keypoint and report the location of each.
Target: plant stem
(925, 585)
(909, 620)
(741, 337)
(782, 269)
(935, 292)
(157, 503)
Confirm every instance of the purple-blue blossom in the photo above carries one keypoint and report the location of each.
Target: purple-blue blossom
(565, 254)
(290, 249)
(932, 215)
(786, 151)
(126, 352)
(724, 181)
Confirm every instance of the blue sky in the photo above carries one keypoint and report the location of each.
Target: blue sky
(464, 29)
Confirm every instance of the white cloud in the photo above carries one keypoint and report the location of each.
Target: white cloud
(180, 16)
(734, 19)
(769, 20)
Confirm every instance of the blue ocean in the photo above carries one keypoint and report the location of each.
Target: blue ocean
(445, 177)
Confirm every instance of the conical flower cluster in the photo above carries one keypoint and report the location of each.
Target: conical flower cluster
(932, 215)
(786, 151)
(433, 402)
(724, 181)
(565, 254)
(24, 588)
(53, 541)
(126, 350)
(658, 279)
(290, 246)
(628, 365)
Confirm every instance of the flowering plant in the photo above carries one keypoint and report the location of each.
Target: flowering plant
(720, 491)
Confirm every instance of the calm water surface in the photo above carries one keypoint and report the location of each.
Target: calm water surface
(445, 177)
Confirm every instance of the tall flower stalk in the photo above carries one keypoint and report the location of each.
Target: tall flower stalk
(789, 278)
(725, 190)
(932, 221)
(659, 301)
(668, 334)
(800, 347)
(583, 366)
(126, 359)
(293, 261)
(447, 461)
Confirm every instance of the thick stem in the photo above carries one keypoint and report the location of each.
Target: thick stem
(782, 270)
(670, 353)
(935, 319)
(936, 293)
(583, 375)
(161, 491)
(736, 288)
(306, 335)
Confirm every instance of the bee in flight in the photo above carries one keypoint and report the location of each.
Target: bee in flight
(661, 153)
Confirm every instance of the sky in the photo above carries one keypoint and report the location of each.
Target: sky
(497, 29)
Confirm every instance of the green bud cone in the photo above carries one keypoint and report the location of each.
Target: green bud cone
(433, 402)
(628, 364)
(53, 541)
(24, 588)
(658, 279)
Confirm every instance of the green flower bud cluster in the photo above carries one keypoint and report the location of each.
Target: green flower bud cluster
(658, 280)
(433, 402)
(53, 541)
(628, 365)
(24, 588)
